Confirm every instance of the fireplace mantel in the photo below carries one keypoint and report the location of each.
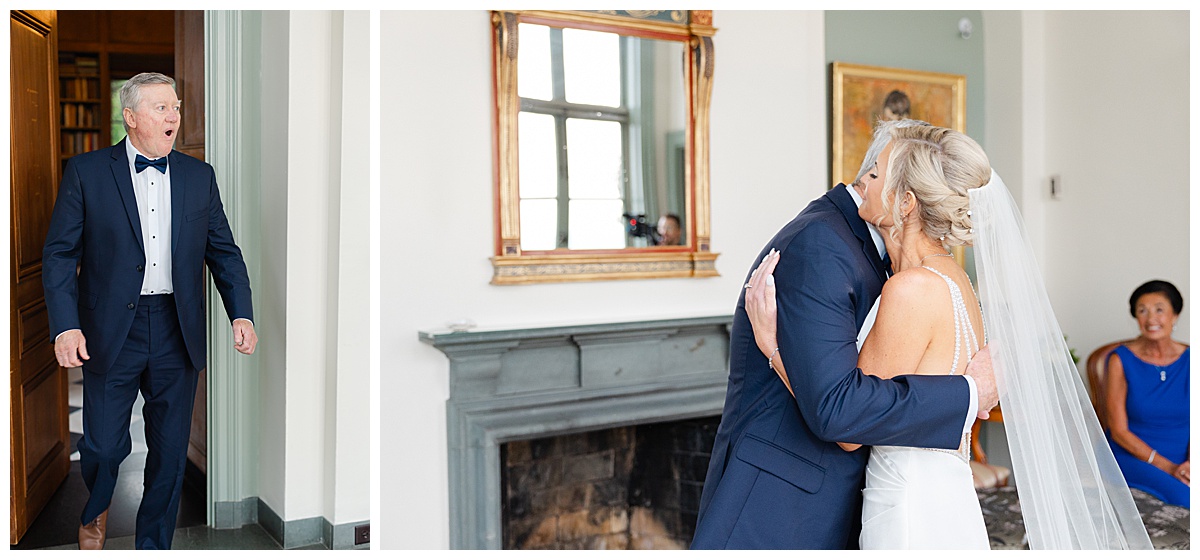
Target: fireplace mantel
(510, 385)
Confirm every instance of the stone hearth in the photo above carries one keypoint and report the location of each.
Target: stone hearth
(531, 384)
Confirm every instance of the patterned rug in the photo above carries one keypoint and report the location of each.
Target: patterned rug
(1168, 526)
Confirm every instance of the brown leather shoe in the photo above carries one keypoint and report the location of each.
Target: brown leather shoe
(91, 536)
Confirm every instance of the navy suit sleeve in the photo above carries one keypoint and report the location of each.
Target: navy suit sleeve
(224, 259)
(60, 254)
(817, 334)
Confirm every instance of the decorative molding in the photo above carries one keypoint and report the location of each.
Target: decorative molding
(628, 22)
(232, 378)
(513, 385)
(572, 267)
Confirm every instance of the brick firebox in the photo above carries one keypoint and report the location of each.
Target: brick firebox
(633, 487)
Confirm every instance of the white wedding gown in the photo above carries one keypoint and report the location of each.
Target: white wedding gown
(918, 498)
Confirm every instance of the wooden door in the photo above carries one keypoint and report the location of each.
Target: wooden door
(39, 457)
(189, 83)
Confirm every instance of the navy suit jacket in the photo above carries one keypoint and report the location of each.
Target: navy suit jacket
(777, 478)
(95, 226)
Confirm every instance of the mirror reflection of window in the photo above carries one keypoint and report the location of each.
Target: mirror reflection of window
(538, 176)
(592, 67)
(534, 78)
(596, 200)
(596, 130)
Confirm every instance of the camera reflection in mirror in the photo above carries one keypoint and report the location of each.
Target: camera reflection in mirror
(601, 132)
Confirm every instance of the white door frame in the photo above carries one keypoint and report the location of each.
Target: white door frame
(231, 63)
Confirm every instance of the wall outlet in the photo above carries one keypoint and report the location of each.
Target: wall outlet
(362, 534)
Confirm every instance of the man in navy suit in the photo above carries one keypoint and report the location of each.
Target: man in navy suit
(123, 271)
(777, 479)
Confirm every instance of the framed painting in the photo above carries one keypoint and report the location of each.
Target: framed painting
(864, 95)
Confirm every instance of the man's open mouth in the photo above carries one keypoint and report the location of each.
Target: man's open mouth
(170, 132)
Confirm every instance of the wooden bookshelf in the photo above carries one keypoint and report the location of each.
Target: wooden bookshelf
(82, 120)
(96, 47)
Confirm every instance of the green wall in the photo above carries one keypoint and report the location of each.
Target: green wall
(916, 40)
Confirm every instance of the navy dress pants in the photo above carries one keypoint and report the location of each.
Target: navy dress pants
(154, 361)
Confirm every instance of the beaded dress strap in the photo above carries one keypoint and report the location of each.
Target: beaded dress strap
(962, 330)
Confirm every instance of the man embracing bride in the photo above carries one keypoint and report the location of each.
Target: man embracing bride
(822, 364)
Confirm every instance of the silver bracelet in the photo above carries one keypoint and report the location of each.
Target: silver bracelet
(1153, 453)
(772, 357)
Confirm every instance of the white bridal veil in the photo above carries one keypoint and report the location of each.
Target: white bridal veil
(1072, 493)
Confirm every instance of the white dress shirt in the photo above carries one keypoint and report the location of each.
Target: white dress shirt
(152, 189)
(877, 238)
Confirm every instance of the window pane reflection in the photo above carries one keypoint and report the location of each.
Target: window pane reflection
(595, 224)
(533, 62)
(539, 224)
(537, 153)
(594, 158)
(592, 67)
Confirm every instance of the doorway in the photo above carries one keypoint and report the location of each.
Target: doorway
(67, 67)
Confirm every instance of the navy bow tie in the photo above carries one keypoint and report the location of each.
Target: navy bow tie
(140, 163)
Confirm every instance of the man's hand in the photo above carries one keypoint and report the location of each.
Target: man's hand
(980, 369)
(244, 339)
(71, 348)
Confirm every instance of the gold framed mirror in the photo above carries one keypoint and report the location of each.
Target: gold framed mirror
(601, 148)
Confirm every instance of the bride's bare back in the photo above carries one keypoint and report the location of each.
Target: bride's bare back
(914, 329)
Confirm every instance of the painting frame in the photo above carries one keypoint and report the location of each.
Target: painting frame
(858, 97)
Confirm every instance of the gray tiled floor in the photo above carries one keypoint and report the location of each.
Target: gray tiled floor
(250, 537)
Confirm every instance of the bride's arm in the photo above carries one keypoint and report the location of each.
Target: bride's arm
(760, 307)
(816, 332)
(897, 341)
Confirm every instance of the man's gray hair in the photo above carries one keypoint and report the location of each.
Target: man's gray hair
(879, 141)
(131, 91)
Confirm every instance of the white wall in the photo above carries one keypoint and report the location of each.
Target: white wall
(1117, 131)
(348, 488)
(271, 304)
(309, 182)
(769, 158)
(1102, 100)
(314, 424)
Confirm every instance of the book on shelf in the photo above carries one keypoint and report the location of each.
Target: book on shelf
(79, 115)
(72, 63)
(75, 143)
(80, 88)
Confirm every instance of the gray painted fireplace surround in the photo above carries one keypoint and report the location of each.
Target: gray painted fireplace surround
(519, 384)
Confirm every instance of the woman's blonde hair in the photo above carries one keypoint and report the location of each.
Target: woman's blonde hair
(938, 165)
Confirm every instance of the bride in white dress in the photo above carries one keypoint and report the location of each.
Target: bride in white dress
(928, 320)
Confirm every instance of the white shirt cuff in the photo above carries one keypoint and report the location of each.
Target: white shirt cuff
(243, 319)
(973, 409)
(65, 332)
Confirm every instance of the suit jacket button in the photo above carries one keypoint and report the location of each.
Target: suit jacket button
(130, 306)
(139, 268)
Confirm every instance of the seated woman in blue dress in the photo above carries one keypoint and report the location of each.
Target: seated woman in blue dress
(1148, 387)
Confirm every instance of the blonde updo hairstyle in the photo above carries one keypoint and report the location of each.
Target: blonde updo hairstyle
(938, 165)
